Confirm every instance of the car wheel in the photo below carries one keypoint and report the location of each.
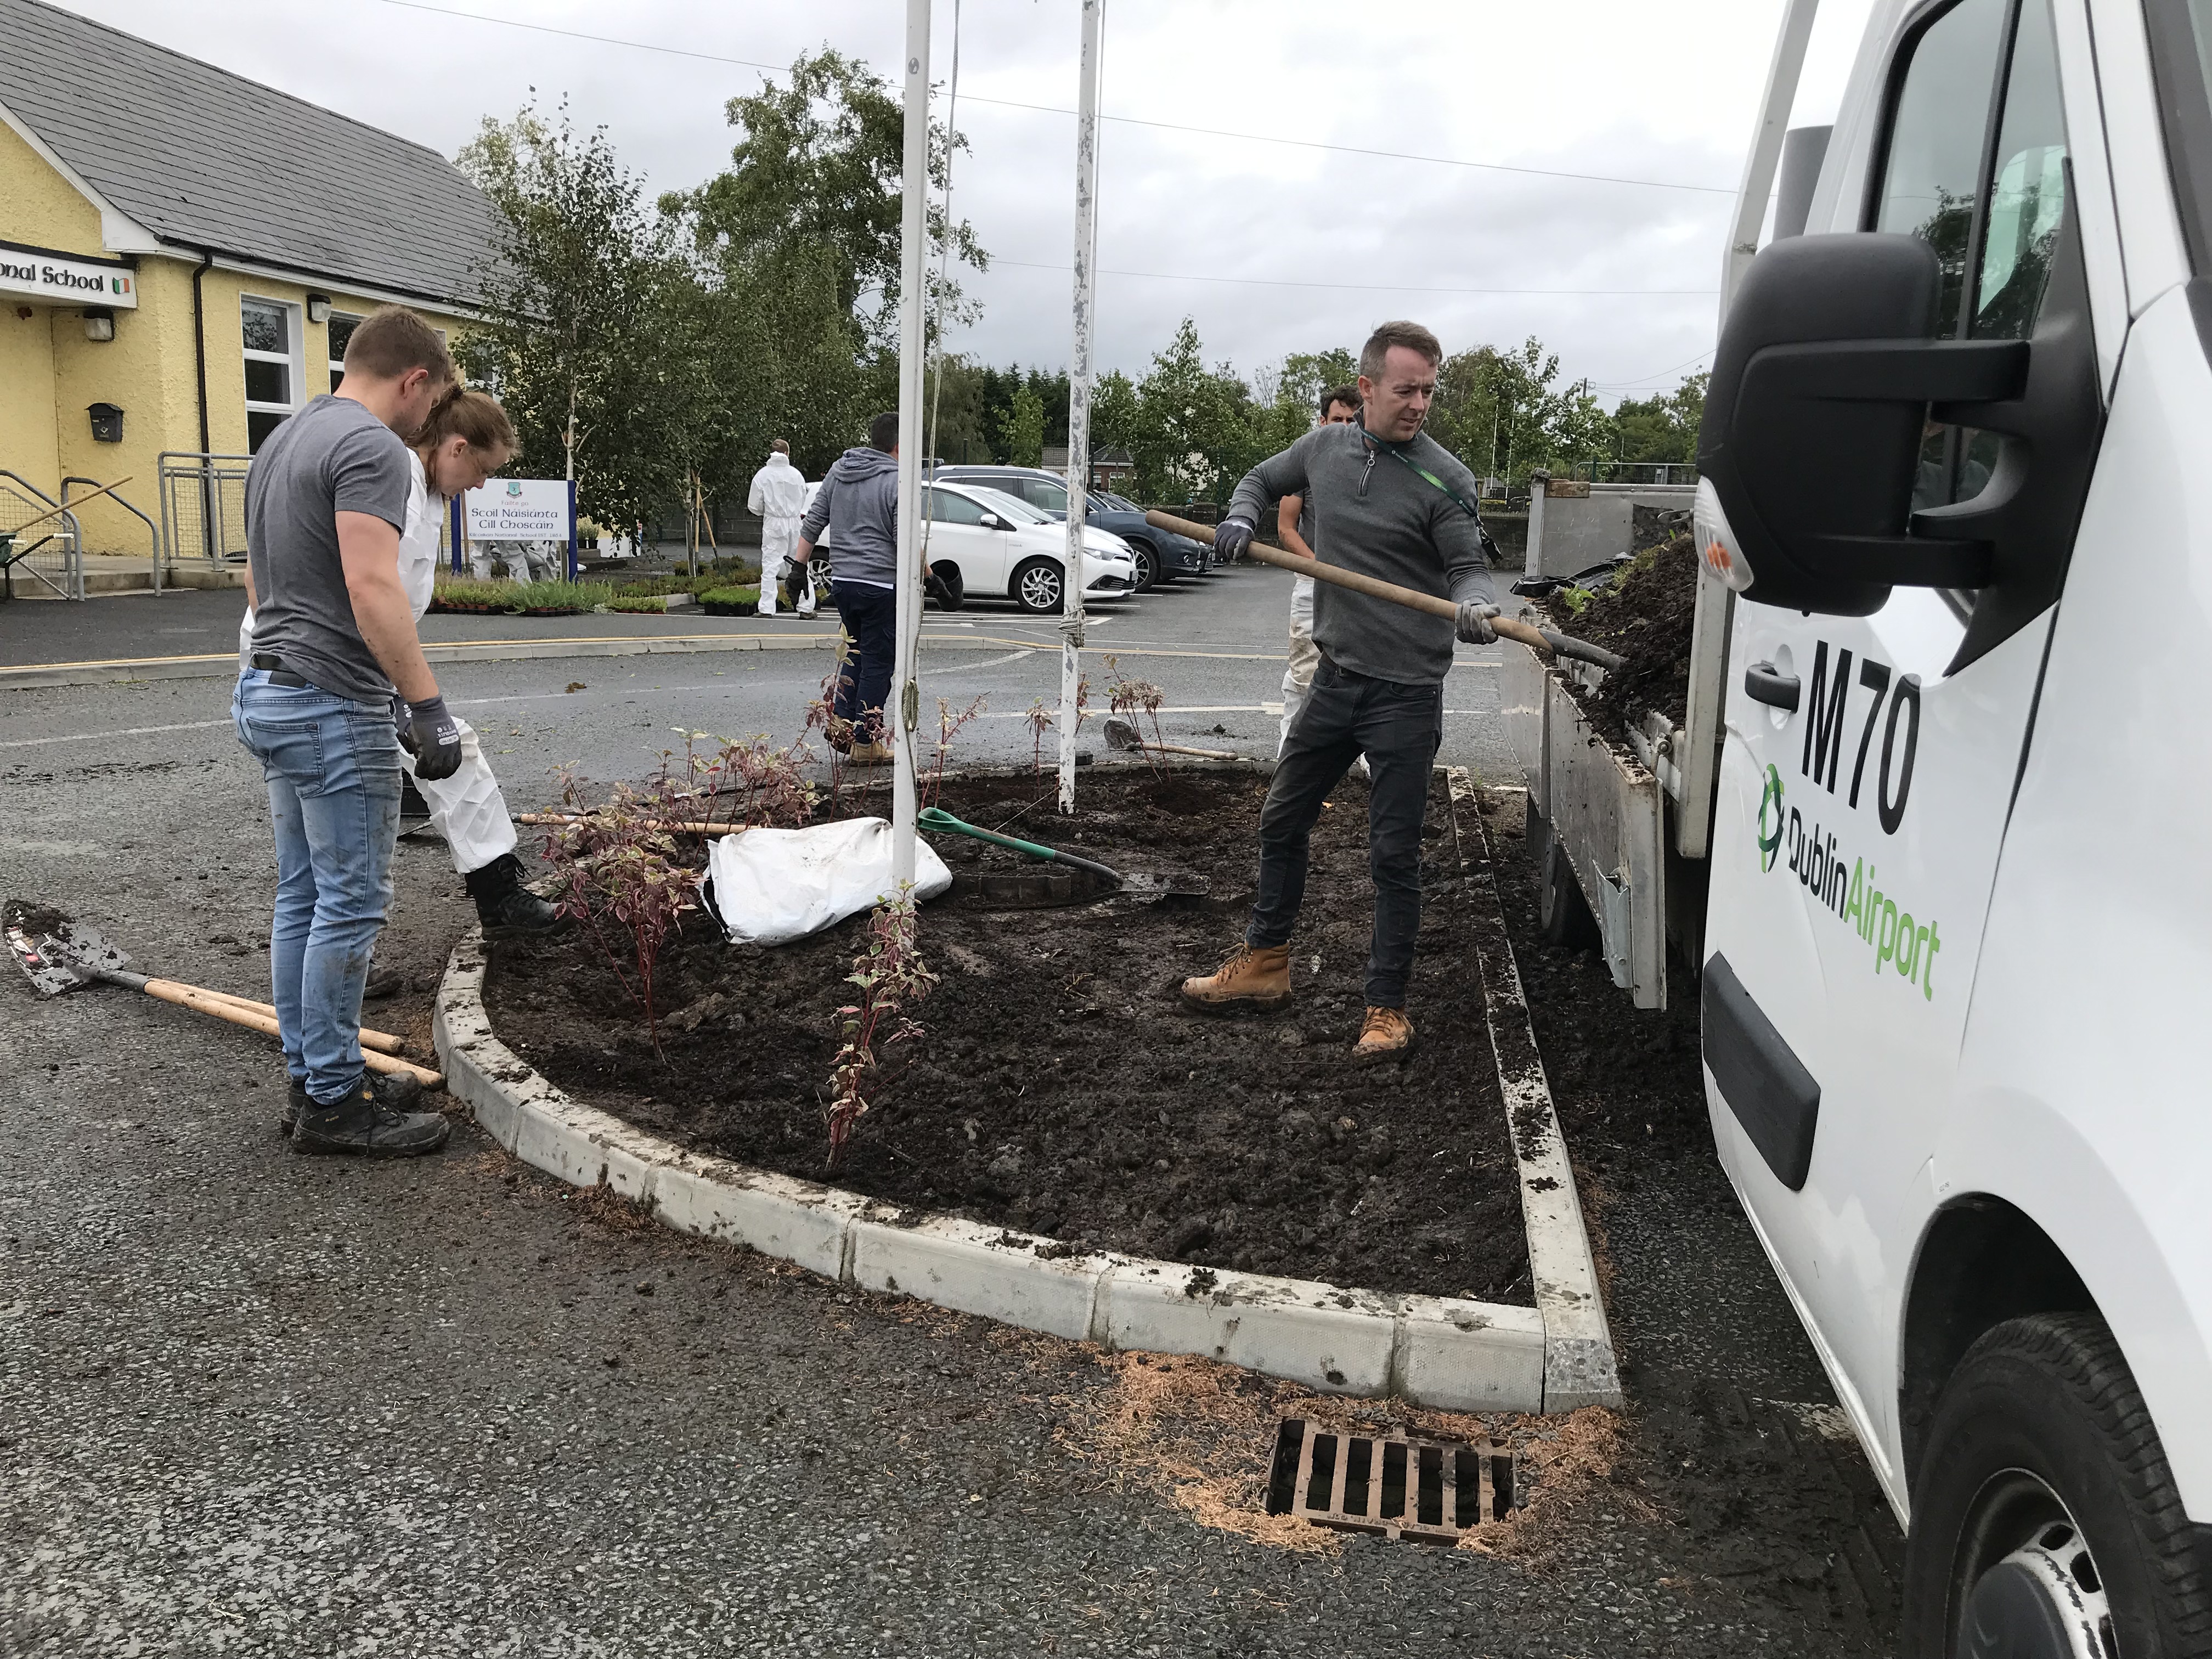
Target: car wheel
(2046, 1522)
(1147, 559)
(1036, 587)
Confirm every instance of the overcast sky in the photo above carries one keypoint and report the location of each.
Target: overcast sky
(1665, 93)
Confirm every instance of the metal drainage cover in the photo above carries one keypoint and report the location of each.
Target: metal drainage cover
(1432, 1491)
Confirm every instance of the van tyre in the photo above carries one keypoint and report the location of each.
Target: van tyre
(1039, 588)
(2045, 1519)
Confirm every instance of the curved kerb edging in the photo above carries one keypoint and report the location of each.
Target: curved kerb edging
(1446, 1352)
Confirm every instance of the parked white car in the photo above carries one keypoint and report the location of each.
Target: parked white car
(992, 545)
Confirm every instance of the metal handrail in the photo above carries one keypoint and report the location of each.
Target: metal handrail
(153, 530)
(171, 466)
(74, 563)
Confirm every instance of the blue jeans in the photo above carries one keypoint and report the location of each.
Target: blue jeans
(870, 615)
(1398, 728)
(332, 766)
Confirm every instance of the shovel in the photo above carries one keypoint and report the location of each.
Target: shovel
(1180, 883)
(62, 956)
(1536, 639)
(1121, 733)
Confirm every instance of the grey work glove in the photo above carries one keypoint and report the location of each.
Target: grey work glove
(1232, 538)
(434, 738)
(1473, 623)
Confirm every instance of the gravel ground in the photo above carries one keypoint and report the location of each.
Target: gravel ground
(257, 1403)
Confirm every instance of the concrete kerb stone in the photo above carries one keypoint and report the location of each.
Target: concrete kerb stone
(1580, 1366)
(1449, 1353)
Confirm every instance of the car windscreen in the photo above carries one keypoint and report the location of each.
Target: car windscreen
(1010, 506)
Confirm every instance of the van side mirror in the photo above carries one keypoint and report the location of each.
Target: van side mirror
(1828, 371)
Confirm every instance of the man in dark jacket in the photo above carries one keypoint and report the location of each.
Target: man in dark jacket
(858, 505)
(1389, 502)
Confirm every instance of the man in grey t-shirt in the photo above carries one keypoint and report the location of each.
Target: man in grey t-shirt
(333, 637)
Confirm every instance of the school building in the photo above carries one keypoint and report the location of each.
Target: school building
(183, 252)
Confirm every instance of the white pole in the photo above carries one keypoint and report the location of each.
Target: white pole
(906, 690)
(1078, 395)
(1765, 153)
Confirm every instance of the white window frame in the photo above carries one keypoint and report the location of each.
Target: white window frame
(294, 368)
(337, 363)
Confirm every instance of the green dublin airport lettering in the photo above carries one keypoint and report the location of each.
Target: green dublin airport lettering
(1897, 940)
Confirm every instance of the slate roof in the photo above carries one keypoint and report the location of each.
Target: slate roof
(206, 159)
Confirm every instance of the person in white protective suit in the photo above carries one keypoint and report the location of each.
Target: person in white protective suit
(466, 438)
(778, 498)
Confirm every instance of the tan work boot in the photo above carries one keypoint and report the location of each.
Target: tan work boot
(1386, 1034)
(1254, 976)
(865, 752)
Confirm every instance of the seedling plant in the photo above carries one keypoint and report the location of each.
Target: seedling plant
(892, 979)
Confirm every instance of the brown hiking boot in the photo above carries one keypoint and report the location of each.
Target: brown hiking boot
(1386, 1034)
(1254, 976)
(866, 753)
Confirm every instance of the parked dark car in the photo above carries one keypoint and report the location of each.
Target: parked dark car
(1162, 556)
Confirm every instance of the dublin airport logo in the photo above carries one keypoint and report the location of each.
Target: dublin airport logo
(1770, 839)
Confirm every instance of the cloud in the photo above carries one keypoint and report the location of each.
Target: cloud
(1596, 85)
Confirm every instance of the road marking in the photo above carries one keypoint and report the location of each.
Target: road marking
(127, 732)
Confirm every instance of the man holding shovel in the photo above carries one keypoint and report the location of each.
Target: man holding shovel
(333, 636)
(1392, 504)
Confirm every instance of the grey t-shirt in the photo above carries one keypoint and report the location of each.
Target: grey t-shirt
(332, 457)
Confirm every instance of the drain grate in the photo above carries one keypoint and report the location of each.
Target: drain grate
(1432, 1491)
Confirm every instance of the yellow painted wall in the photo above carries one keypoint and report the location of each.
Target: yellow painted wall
(39, 206)
(26, 409)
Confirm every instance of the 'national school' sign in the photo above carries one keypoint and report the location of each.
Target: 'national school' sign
(40, 273)
(519, 510)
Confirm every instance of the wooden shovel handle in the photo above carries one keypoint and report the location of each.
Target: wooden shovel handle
(1374, 586)
(383, 1040)
(69, 506)
(194, 997)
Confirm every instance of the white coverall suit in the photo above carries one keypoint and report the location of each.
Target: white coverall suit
(467, 808)
(778, 496)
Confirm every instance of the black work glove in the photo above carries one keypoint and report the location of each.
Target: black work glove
(1233, 537)
(434, 738)
(1473, 625)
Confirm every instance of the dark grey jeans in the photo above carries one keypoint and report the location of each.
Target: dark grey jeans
(1398, 728)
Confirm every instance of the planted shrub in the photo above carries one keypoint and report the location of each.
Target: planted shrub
(617, 869)
(892, 978)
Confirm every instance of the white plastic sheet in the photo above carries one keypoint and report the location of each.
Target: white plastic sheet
(771, 886)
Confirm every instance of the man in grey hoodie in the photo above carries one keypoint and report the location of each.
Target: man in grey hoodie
(858, 506)
(1389, 502)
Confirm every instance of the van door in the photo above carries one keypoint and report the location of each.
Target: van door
(1868, 762)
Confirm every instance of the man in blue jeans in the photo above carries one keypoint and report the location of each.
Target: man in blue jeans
(1389, 502)
(334, 638)
(858, 507)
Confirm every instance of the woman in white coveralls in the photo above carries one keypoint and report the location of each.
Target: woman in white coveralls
(466, 439)
(779, 498)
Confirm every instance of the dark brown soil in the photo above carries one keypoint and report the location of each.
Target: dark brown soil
(1061, 1088)
(1644, 614)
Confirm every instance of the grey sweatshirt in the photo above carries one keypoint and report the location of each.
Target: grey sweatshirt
(858, 503)
(1372, 515)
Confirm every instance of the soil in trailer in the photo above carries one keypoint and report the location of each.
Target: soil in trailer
(1061, 1087)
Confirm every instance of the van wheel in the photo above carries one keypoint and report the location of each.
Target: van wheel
(1562, 913)
(2046, 1522)
(1036, 587)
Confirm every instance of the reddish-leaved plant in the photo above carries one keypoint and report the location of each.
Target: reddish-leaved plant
(617, 869)
(892, 978)
(948, 728)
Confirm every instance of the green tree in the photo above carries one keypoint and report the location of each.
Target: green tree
(1493, 408)
(1663, 426)
(818, 166)
(1021, 428)
(588, 314)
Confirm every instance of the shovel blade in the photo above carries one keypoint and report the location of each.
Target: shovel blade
(57, 953)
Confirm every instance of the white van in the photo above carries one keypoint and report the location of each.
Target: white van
(1957, 955)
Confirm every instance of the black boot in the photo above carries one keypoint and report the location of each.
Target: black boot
(504, 905)
(369, 1122)
(398, 1090)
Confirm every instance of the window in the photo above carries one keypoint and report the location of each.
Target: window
(945, 508)
(1043, 494)
(2181, 54)
(1987, 195)
(341, 328)
(272, 369)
